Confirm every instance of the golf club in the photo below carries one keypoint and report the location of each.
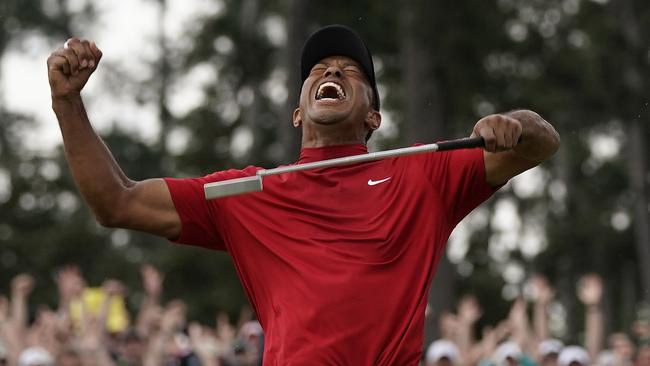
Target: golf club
(237, 186)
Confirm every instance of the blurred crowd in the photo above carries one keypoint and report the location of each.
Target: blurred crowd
(92, 326)
(523, 338)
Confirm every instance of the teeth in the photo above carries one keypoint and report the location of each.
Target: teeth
(321, 89)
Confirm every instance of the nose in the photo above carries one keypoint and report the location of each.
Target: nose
(333, 70)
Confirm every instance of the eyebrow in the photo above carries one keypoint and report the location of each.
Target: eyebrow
(343, 64)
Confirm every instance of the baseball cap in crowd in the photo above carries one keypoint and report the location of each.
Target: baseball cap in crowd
(338, 40)
(606, 358)
(442, 349)
(505, 351)
(573, 354)
(251, 328)
(550, 346)
(35, 356)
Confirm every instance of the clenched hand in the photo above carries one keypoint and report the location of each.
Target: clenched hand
(70, 66)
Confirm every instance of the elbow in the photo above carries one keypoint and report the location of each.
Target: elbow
(106, 221)
(550, 139)
(555, 141)
(107, 218)
(111, 214)
(111, 210)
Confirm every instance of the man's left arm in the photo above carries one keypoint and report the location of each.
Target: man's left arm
(515, 142)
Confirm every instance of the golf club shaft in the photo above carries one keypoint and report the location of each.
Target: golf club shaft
(463, 143)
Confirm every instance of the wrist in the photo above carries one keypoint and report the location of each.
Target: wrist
(60, 102)
(18, 295)
(593, 307)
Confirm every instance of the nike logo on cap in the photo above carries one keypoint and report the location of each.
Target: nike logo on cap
(375, 182)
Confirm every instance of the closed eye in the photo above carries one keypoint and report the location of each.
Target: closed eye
(317, 68)
(352, 69)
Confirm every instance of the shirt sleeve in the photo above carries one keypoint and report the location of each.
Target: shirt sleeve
(200, 217)
(459, 175)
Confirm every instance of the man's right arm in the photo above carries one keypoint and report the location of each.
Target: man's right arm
(116, 200)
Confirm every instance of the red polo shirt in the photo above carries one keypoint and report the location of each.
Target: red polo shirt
(337, 262)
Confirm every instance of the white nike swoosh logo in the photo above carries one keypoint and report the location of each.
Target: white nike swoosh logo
(375, 182)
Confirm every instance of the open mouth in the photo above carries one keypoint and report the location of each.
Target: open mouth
(330, 91)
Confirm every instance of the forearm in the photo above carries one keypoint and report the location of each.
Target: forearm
(98, 176)
(155, 353)
(143, 320)
(465, 343)
(11, 343)
(594, 330)
(96, 356)
(540, 321)
(465, 338)
(19, 315)
(539, 140)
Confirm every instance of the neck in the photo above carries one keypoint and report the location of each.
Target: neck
(331, 135)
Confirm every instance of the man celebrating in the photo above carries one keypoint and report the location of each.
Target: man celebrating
(336, 261)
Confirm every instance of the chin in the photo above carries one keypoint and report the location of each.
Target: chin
(329, 117)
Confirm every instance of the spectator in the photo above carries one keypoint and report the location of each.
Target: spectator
(643, 356)
(69, 357)
(508, 354)
(548, 352)
(574, 356)
(590, 292)
(35, 356)
(131, 349)
(622, 349)
(442, 353)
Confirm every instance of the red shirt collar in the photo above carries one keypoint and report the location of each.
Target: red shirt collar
(310, 154)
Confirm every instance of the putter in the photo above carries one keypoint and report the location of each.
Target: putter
(237, 186)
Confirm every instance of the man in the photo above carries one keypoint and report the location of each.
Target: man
(336, 262)
(442, 353)
(574, 356)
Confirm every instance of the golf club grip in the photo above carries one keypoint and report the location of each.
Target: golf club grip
(465, 143)
(462, 143)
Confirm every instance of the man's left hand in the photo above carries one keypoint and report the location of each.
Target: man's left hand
(501, 132)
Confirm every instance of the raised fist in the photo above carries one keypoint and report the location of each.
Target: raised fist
(69, 67)
(114, 287)
(152, 280)
(469, 310)
(22, 284)
(542, 292)
(69, 282)
(590, 289)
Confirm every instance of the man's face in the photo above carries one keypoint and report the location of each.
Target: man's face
(444, 361)
(69, 359)
(511, 361)
(643, 356)
(622, 346)
(550, 359)
(336, 92)
(133, 350)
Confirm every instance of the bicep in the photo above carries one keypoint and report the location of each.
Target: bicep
(147, 206)
(502, 166)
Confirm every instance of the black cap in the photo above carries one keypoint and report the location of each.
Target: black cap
(338, 40)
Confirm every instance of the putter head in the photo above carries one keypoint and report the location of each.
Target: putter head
(232, 187)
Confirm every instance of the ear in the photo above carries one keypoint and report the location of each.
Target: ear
(373, 119)
(297, 118)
